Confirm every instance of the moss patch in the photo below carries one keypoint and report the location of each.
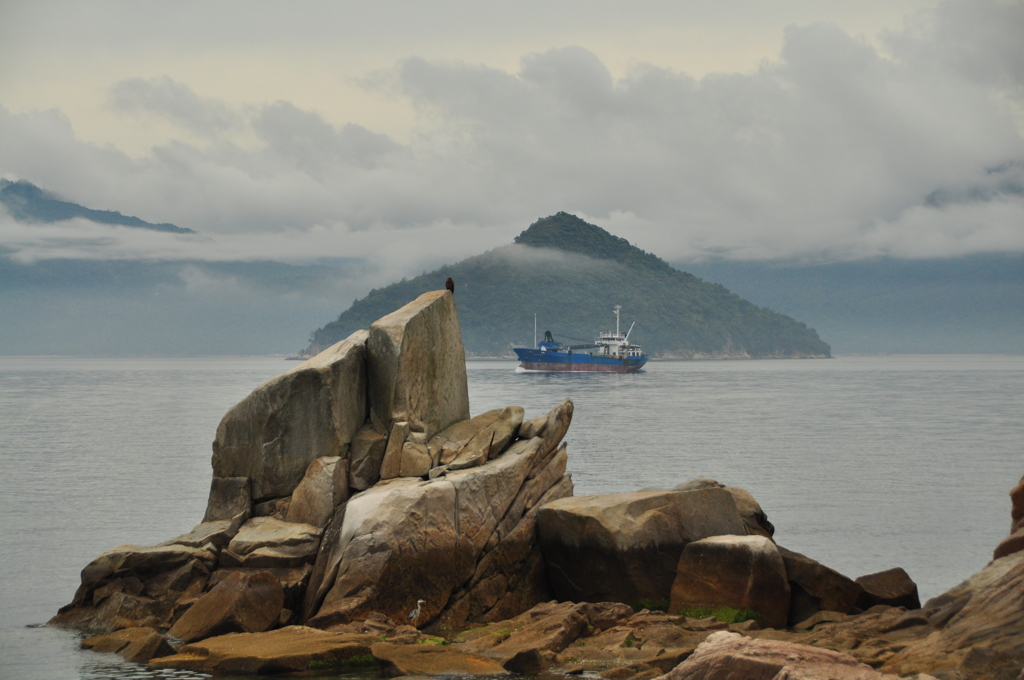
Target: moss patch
(723, 614)
(651, 605)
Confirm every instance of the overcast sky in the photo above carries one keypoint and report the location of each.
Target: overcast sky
(411, 133)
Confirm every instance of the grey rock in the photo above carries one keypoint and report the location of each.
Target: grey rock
(418, 366)
(532, 428)
(315, 497)
(311, 411)
(367, 454)
(415, 460)
(450, 519)
(490, 440)
(626, 547)
(229, 496)
(391, 466)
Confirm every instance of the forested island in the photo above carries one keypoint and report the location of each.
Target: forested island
(570, 274)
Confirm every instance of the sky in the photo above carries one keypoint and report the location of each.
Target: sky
(408, 134)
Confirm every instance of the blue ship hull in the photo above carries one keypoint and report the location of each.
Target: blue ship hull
(536, 360)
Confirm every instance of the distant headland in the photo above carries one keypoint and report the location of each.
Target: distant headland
(570, 273)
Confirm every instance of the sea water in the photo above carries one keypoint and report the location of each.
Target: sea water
(863, 463)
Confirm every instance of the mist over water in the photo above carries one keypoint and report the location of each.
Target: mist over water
(863, 463)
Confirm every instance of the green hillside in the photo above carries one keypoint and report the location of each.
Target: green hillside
(571, 273)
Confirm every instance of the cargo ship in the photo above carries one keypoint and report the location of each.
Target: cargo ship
(610, 352)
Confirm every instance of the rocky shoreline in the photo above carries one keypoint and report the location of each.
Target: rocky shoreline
(359, 519)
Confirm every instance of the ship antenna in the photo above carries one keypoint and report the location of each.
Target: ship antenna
(617, 308)
(535, 329)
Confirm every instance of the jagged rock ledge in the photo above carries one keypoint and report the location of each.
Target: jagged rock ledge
(360, 519)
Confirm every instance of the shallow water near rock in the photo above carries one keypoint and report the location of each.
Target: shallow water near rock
(863, 463)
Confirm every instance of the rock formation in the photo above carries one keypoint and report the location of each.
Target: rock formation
(349, 487)
(359, 518)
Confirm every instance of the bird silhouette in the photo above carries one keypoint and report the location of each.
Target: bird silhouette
(450, 285)
(415, 613)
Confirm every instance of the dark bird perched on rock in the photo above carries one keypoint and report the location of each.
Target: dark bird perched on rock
(450, 285)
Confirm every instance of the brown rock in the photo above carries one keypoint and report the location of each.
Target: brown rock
(892, 587)
(229, 497)
(418, 366)
(415, 460)
(750, 510)
(986, 614)
(293, 581)
(729, 656)
(276, 508)
(316, 496)
(391, 465)
(1017, 499)
(1009, 545)
(626, 547)
(268, 543)
(549, 626)
(295, 649)
(152, 646)
(367, 454)
(452, 440)
(311, 411)
(532, 428)
(814, 587)
(745, 572)
(430, 660)
(218, 533)
(116, 641)
(247, 603)
(490, 440)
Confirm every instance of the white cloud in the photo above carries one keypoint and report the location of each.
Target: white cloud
(835, 150)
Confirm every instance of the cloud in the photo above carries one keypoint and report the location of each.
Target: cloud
(835, 150)
(174, 101)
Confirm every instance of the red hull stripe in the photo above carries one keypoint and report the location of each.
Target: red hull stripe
(575, 368)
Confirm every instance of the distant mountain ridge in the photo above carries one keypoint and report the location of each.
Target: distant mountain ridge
(571, 273)
(28, 203)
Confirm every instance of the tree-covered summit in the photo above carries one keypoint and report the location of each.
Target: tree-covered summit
(571, 234)
(570, 274)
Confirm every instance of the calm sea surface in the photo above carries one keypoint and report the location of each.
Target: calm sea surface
(863, 463)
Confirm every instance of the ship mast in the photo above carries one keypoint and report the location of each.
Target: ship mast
(617, 308)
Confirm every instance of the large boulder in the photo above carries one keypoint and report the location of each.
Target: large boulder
(268, 543)
(245, 603)
(743, 572)
(815, 587)
(892, 587)
(410, 539)
(626, 547)
(728, 656)
(311, 411)
(417, 365)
